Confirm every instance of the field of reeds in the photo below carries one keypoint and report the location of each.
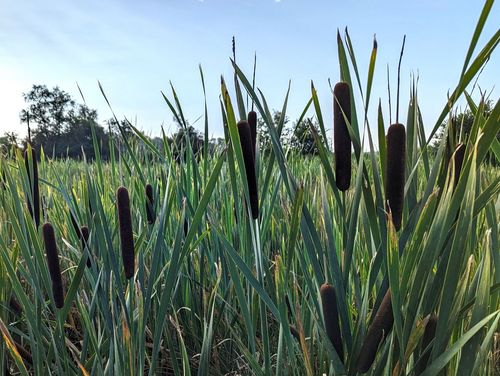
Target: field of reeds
(359, 260)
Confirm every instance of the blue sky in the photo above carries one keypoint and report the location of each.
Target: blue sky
(134, 48)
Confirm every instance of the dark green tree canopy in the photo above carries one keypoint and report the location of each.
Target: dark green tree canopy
(61, 126)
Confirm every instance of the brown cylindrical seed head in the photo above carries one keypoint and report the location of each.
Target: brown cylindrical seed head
(15, 306)
(252, 123)
(246, 146)
(395, 184)
(150, 204)
(429, 333)
(84, 230)
(331, 316)
(377, 332)
(341, 137)
(34, 203)
(53, 263)
(126, 235)
(458, 160)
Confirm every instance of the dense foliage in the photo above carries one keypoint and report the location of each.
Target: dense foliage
(156, 262)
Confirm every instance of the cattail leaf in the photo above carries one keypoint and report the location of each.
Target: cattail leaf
(444, 358)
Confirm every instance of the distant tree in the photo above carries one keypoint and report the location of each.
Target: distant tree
(59, 125)
(8, 141)
(303, 141)
(459, 131)
(264, 138)
(181, 138)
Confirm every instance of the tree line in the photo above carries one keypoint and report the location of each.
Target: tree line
(67, 129)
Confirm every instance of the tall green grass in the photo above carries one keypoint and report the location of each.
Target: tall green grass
(215, 290)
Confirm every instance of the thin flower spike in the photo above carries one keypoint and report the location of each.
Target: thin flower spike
(331, 316)
(34, 203)
(126, 235)
(395, 184)
(49, 240)
(341, 137)
(377, 332)
(150, 204)
(246, 147)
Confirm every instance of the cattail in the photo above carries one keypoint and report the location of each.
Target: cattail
(458, 160)
(25, 354)
(15, 306)
(378, 330)
(331, 316)
(34, 203)
(150, 204)
(252, 122)
(341, 138)
(246, 146)
(53, 263)
(84, 230)
(394, 188)
(126, 236)
(429, 333)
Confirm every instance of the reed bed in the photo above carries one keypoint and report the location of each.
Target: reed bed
(221, 267)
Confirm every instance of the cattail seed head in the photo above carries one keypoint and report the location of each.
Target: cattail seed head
(126, 235)
(53, 263)
(15, 306)
(377, 332)
(394, 188)
(150, 204)
(331, 316)
(429, 334)
(34, 203)
(458, 160)
(246, 146)
(252, 122)
(84, 230)
(341, 137)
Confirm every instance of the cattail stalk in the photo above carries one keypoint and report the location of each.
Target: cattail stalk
(377, 332)
(248, 157)
(53, 264)
(429, 334)
(394, 188)
(341, 137)
(126, 235)
(34, 202)
(150, 204)
(84, 230)
(331, 316)
(252, 123)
